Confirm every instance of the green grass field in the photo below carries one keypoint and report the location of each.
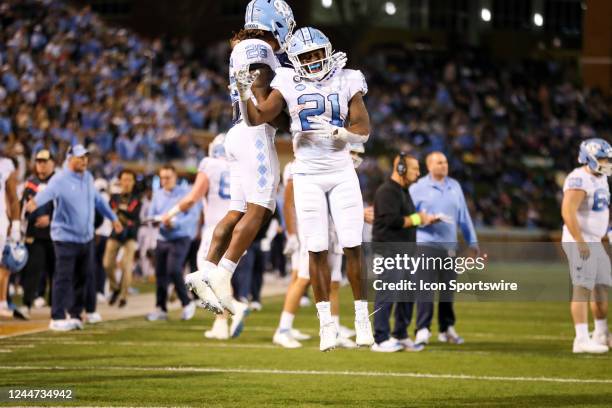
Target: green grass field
(516, 354)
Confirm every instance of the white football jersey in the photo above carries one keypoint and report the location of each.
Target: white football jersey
(217, 200)
(288, 173)
(594, 211)
(328, 98)
(6, 168)
(248, 52)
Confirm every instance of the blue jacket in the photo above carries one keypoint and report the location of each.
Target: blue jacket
(185, 223)
(446, 198)
(76, 200)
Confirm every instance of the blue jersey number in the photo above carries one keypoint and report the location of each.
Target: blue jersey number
(224, 186)
(256, 51)
(334, 100)
(601, 200)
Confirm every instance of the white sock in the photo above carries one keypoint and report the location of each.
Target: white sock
(336, 319)
(324, 312)
(582, 331)
(286, 321)
(208, 266)
(601, 325)
(228, 265)
(4, 304)
(361, 309)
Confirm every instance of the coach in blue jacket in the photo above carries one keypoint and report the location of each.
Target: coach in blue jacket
(72, 231)
(438, 194)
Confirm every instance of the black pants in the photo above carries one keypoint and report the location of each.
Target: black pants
(402, 314)
(248, 277)
(100, 272)
(169, 260)
(425, 309)
(39, 268)
(74, 270)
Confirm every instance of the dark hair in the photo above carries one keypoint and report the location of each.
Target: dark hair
(244, 34)
(127, 171)
(168, 166)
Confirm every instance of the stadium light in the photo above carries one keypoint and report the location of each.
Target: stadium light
(327, 3)
(538, 20)
(485, 14)
(390, 8)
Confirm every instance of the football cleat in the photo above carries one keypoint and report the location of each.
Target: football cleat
(284, 339)
(450, 336)
(77, 323)
(61, 325)
(345, 342)
(157, 315)
(188, 311)
(195, 282)
(219, 330)
(588, 345)
(220, 282)
(345, 332)
(329, 336)
(388, 346)
(241, 312)
(363, 332)
(605, 339)
(422, 336)
(298, 335)
(409, 345)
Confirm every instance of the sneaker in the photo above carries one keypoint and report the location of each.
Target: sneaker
(345, 332)
(284, 339)
(188, 311)
(21, 313)
(220, 282)
(422, 336)
(39, 302)
(114, 297)
(305, 301)
(588, 345)
(158, 314)
(409, 345)
(241, 312)
(299, 336)
(329, 335)
(255, 306)
(345, 342)
(195, 282)
(387, 346)
(61, 325)
(219, 330)
(93, 318)
(77, 323)
(6, 312)
(122, 303)
(363, 332)
(450, 336)
(605, 339)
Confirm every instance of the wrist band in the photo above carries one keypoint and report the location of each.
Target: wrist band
(174, 211)
(416, 219)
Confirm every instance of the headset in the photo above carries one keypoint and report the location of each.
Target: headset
(401, 164)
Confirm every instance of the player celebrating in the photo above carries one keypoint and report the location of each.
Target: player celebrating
(320, 98)
(254, 168)
(585, 211)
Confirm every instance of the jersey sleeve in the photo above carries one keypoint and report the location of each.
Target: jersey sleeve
(203, 166)
(575, 181)
(356, 83)
(281, 79)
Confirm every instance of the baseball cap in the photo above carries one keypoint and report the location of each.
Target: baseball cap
(78, 151)
(43, 154)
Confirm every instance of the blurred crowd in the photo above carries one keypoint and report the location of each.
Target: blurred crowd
(68, 77)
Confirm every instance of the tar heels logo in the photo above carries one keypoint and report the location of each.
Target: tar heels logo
(282, 8)
(300, 87)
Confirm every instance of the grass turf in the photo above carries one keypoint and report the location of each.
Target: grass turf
(137, 363)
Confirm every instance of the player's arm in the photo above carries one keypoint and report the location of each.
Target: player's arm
(358, 119)
(266, 111)
(13, 205)
(199, 190)
(572, 199)
(289, 209)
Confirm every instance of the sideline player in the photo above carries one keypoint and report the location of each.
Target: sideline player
(251, 152)
(320, 98)
(585, 211)
(8, 195)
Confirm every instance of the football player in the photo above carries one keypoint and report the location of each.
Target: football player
(254, 168)
(320, 96)
(585, 211)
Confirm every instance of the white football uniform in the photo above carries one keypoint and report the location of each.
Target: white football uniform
(6, 168)
(250, 151)
(593, 218)
(216, 203)
(323, 170)
(300, 258)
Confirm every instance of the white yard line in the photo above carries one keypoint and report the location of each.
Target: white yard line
(313, 372)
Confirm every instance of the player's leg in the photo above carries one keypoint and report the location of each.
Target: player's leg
(4, 273)
(599, 297)
(335, 265)
(346, 207)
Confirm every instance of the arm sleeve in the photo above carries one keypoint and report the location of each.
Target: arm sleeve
(356, 83)
(102, 206)
(387, 209)
(465, 220)
(49, 193)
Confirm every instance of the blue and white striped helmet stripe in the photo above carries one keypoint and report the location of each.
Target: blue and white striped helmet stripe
(307, 36)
